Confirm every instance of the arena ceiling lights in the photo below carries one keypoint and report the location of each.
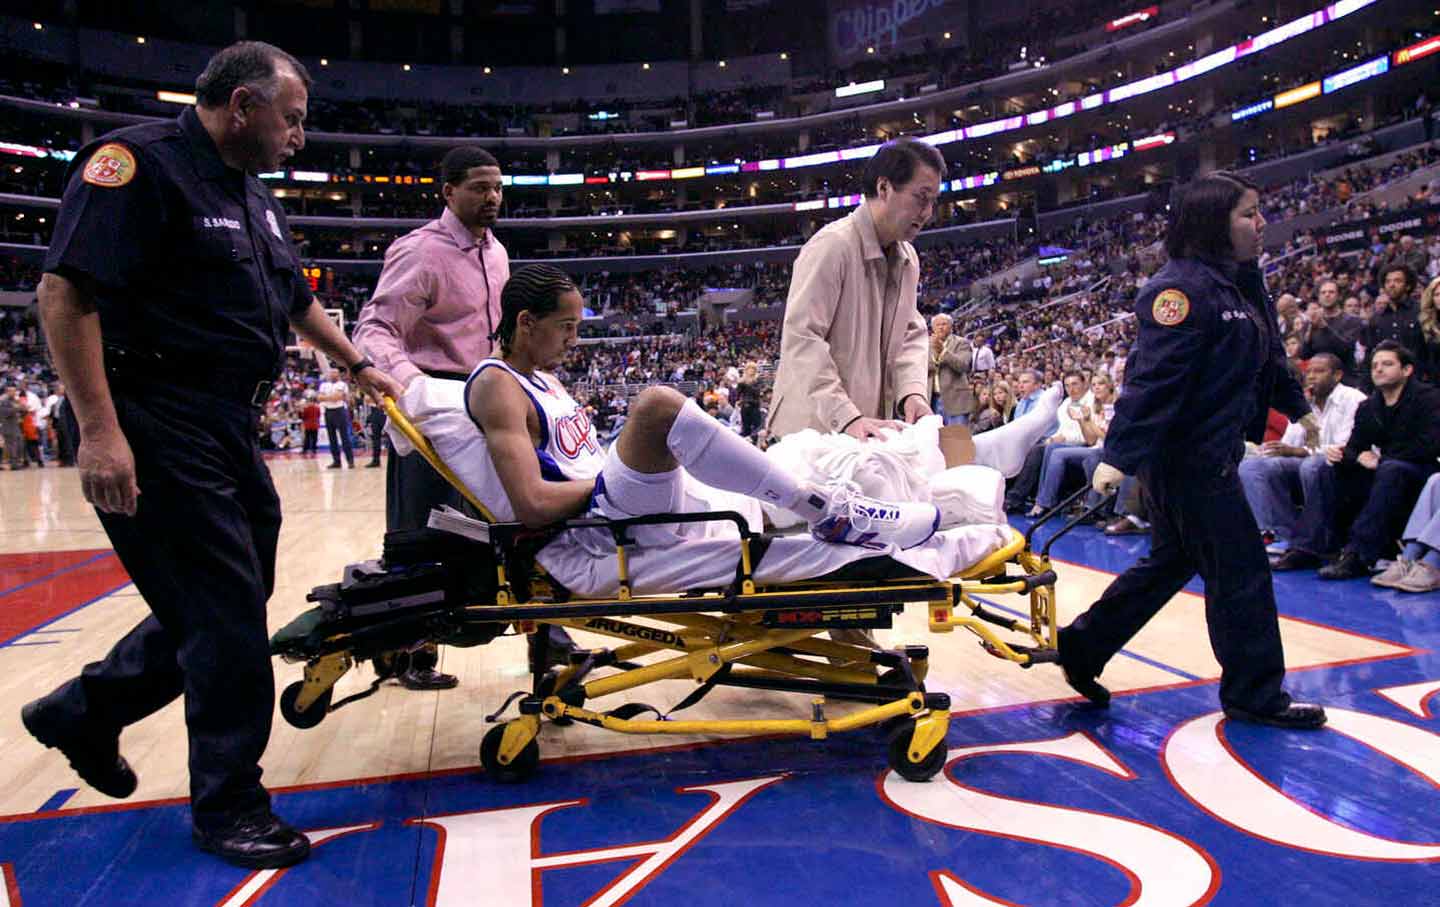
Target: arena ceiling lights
(1201, 66)
(1343, 79)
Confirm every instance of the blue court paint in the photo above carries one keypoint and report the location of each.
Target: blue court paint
(825, 826)
(58, 800)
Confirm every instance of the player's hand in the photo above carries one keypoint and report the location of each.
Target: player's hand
(865, 428)
(107, 472)
(378, 385)
(1369, 459)
(1106, 479)
(915, 409)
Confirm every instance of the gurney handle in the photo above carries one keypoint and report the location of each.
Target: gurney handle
(1059, 508)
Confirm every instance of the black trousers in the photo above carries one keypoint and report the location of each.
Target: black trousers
(337, 426)
(1201, 524)
(201, 551)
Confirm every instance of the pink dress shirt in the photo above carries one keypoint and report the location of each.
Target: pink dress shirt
(437, 301)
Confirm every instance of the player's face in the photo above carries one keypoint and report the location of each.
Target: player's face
(275, 129)
(552, 336)
(1247, 227)
(476, 199)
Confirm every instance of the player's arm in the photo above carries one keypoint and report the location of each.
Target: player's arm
(501, 408)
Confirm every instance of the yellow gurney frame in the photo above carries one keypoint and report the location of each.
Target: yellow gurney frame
(746, 635)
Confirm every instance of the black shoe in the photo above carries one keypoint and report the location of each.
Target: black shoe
(260, 840)
(333, 466)
(1298, 716)
(373, 464)
(1296, 560)
(95, 758)
(427, 679)
(1084, 684)
(1348, 565)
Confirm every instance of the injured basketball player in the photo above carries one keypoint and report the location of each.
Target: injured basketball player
(528, 451)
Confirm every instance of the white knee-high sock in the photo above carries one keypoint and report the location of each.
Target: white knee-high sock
(722, 459)
(1004, 448)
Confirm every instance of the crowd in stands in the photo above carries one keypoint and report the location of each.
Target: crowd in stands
(1314, 194)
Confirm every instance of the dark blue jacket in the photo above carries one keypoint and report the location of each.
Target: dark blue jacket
(186, 258)
(1206, 367)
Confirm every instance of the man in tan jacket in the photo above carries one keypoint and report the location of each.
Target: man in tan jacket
(950, 360)
(853, 349)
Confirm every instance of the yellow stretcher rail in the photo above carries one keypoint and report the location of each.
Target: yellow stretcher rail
(745, 637)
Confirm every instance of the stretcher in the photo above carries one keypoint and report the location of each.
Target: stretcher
(435, 586)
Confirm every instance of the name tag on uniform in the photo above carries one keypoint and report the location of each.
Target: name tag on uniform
(220, 223)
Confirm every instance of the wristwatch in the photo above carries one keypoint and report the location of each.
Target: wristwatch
(360, 366)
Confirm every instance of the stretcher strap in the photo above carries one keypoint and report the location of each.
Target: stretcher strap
(703, 690)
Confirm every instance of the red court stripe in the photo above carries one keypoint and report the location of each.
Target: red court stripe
(36, 603)
(20, 568)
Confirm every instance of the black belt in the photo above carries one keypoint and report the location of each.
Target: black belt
(123, 364)
(448, 376)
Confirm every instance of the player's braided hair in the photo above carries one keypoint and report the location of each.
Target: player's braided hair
(535, 289)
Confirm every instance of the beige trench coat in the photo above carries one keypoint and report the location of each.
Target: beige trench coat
(832, 365)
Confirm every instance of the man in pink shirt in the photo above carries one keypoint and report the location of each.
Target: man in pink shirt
(435, 306)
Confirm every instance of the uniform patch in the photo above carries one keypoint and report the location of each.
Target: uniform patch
(1171, 307)
(110, 167)
(274, 224)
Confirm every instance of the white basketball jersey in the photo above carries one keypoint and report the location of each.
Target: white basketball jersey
(568, 448)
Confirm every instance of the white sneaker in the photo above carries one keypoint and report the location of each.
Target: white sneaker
(1393, 574)
(1421, 578)
(851, 518)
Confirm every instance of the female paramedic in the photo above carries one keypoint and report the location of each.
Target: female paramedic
(1206, 366)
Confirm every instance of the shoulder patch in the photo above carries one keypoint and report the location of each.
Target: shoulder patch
(1171, 307)
(110, 167)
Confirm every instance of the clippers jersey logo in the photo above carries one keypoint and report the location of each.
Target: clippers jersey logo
(573, 435)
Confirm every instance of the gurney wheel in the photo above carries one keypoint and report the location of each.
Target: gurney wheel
(520, 768)
(923, 770)
(311, 716)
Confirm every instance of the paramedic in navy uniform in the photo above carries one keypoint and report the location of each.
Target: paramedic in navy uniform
(170, 288)
(1206, 367)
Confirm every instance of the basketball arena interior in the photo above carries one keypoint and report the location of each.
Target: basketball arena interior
(903, 734)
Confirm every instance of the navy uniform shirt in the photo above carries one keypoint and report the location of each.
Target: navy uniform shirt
(188, 260)
(1206, 367)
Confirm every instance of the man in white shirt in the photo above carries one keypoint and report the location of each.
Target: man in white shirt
(334, 399)
(1281, 468)
(984, 360)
